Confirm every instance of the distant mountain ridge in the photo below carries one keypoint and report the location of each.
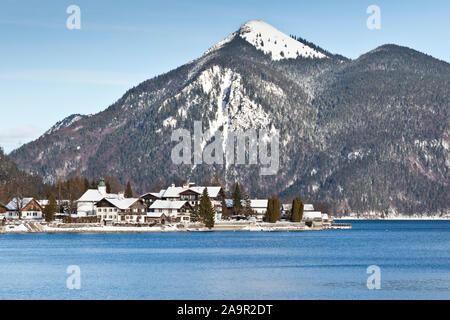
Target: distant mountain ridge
(364, 135)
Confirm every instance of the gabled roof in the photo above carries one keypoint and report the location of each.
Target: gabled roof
(155, 214)
(173, 192)
(308, 207)
(213, 192)
(93, 195)
(14, 203)
(167, 204)
(122, 204)
(155, 194)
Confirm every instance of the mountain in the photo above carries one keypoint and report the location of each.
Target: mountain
(364, 135)
(14, 182)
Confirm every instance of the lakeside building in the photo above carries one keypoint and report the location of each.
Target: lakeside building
(24, 208)
(121, 210)
(174, 210)
(258, 206)
(190, 193)
(86, 204)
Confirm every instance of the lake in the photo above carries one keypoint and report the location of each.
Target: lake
(413, 257)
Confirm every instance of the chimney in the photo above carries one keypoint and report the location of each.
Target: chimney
(121, 196)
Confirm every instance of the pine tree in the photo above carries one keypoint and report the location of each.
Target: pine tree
(86, 184)
(237, 199)
(108, 186)
(295, 211)
(301, 208)
(225, 212)
(50, 209)
(269, 212)
(206, 209)
(128, 191)
(195, 216)
(273, 210)
(247, 205)
(276, 210)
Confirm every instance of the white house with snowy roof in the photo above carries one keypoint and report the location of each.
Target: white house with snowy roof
(24, 208)
(190, 193)
(86, 205)
(176, 210)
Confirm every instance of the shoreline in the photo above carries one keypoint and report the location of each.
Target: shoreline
(86, 228)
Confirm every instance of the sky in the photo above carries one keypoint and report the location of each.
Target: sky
(48, 71)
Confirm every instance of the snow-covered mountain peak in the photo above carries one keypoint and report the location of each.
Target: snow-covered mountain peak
(272, 41)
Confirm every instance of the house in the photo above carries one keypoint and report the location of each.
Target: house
(24, 208)
(121, 210)
(157, 217)
(188, 192)
(175, 211)
(3, 209)
(86, 204)
(258, 206)
(150, 197)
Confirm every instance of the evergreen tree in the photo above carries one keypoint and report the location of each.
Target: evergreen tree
(300, 213)
(297, 210)
(108, 186)
(50, 209)
(195, 216)
(276, 210)
(206, 209)
(247, 206)
(269, 212)
(86, 184)
(273, 210)
(225, 212)
(128, 191)
(237, 199)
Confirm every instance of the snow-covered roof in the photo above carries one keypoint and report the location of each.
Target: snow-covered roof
(122, 204)
(308, 207)
(155, 214)
(173, 192)
(213, 192)
(167, 204)
(94, 195)
(16, 202)
(324, 216)
(155, 194)
(309, 215)
(254, 203)
(258, 203)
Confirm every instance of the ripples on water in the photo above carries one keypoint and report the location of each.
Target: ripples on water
(414, 257)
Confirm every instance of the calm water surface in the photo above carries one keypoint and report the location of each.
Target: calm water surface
(414, 257)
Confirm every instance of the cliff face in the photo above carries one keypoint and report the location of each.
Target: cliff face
(370, 134)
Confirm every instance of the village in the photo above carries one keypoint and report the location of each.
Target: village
(176, 208)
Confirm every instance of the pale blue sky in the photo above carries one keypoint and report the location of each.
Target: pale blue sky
(48, 72)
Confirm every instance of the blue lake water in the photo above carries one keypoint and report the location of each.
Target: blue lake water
(414, 258)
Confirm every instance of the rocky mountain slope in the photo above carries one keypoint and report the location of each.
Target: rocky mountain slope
(370, 134)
